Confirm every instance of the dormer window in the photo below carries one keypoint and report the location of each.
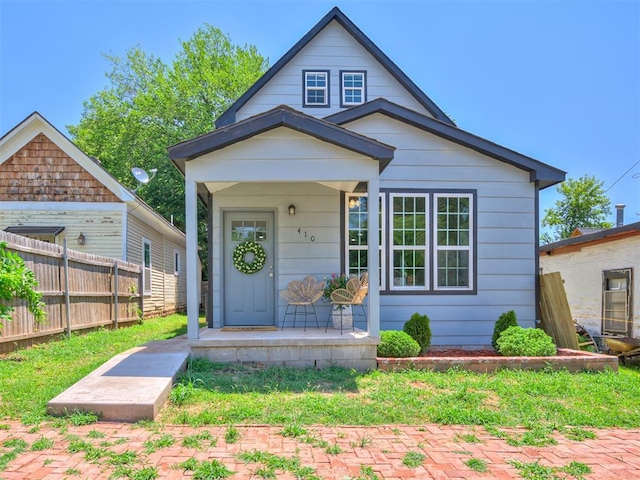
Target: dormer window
(316, 88)
(353, 89)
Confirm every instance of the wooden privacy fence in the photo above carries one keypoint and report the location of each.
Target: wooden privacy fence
(80, 291)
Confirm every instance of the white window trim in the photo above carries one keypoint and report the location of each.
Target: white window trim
(177, 263)
(468, 248)
(425, 248)
(343, 100)
(382, 246)
(307, 88)
(147, 289)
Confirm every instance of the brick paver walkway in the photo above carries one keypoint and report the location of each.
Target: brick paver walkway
(441, 452)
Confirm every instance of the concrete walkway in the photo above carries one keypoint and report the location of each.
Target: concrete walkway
(132, 386)
(110, 450)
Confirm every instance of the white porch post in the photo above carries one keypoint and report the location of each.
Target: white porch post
(373, 195)
(191, 203)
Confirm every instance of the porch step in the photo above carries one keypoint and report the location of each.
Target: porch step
(292, 347)
(132, 386)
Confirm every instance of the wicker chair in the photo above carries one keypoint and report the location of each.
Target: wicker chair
(302, 294)
(353, 295)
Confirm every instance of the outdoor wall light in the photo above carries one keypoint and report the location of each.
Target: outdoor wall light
(292, 209)
(81, 239)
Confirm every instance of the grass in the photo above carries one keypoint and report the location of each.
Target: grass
(536, 471)
(413, 459)
(477, 465)
(30, 378)
(544, 401)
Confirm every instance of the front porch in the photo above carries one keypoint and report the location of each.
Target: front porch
(278, 179)
(293, 347)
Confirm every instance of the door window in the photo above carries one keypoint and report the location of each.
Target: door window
(253, 230)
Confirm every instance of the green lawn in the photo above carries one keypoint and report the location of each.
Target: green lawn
(211, 394)
(219, 394)
(30, 378)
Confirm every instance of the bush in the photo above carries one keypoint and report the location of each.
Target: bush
(17, 281)
(505, 321)
(525, 342)
(396, 344)
(418, 328)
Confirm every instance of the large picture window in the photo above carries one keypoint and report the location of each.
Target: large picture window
(426, 240)
(357, 236)
(453, 239)
(409, 255)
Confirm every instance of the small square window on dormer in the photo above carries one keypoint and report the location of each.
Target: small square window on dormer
(353, 88)
(316, 88)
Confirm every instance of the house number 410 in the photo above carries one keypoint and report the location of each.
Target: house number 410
(311, 237)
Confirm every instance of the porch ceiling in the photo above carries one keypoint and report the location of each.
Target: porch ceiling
(213, 187)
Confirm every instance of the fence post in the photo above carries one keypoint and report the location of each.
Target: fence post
(115, 295)
(67, 300)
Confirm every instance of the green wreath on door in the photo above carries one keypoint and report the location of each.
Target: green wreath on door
(240, 253)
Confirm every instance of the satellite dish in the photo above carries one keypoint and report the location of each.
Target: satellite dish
(143, 177)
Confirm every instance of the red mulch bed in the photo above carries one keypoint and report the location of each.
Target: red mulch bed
(455, 352)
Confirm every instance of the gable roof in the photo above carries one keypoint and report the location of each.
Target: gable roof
(601, 236)
(544, 174)
(336, 14)
(281, 116)
(36, 124)
(585, 231)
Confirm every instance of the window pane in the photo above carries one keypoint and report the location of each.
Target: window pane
(409, 268)
(316, 96)
(147, 255)
(357, 234)
(453, 268)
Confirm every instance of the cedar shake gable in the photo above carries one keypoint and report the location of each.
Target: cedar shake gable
(41, 171)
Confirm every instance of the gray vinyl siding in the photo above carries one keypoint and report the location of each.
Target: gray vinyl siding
(296, 255)
(332, 49)
(506, 243)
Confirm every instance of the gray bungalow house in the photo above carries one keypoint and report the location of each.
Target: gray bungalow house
(334, 142)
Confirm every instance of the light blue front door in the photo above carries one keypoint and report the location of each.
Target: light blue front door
(249, 299)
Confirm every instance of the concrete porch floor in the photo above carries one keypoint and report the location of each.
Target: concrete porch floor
(134, 385)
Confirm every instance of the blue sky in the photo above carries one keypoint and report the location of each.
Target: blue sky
(556, 80)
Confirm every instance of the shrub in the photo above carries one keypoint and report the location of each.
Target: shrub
(418, 328)
(17, 281)
(506, 320)
(394, 343)
(525, 342)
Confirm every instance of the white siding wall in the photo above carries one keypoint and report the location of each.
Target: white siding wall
(332, 49)
(317, 210)
(506, 241)
(167, 291)
(101, 224)
(582, 274)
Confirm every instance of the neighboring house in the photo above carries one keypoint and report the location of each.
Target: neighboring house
(50, 190)
(335, 141)
(598, 271)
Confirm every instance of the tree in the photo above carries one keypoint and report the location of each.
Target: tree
(17, 281)
(583, 204)
(149, 105)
